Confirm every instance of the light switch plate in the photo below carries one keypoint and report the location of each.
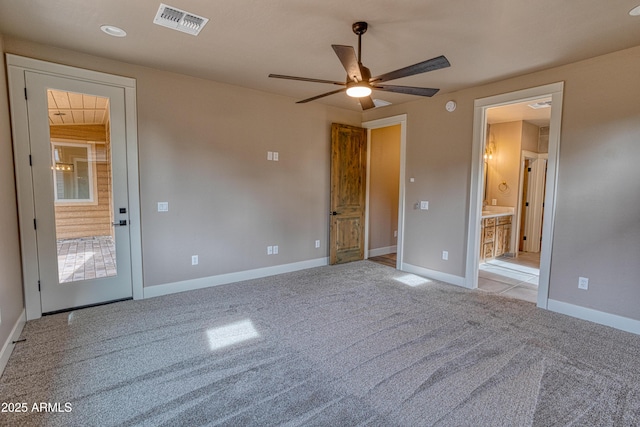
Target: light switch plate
(269, 155)
(317, 244)
(424, 205)
(583, 283)
(275, 250)
(163, 206)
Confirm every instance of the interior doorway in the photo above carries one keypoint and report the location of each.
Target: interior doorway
(514, 160)
(505, 129)
(385, 190)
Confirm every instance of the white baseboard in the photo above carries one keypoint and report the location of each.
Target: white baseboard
(433, 274)
(8, 346)
(383, 251)
(223, 279)
(619, 322)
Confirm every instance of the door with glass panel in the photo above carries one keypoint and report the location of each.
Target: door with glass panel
(78, 155)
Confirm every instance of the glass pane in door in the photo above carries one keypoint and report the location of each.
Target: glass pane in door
(82, 185)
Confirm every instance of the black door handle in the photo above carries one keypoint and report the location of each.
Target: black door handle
(121, 223)
(333, 213)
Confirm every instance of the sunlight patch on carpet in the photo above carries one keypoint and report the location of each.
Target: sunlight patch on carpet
(412, 280)
(233, 333)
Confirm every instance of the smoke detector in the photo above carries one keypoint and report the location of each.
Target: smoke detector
(177, 19)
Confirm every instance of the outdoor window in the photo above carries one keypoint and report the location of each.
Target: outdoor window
(74, 175)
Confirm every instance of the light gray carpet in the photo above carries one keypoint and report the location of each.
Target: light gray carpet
(331, 346)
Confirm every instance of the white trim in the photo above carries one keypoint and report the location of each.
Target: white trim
(7, 347)
(436, 275)
(554, 90)
(17, 66)
(67, 71)
(401, 120)
(613, 320)
(383, 251)
(224, 279)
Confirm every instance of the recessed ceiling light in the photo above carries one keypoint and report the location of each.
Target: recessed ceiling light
(635, 11)
(113, 31)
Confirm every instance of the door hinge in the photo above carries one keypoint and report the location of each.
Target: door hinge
(39, 286)
(35, 227)
(30, 160)
(25, 93)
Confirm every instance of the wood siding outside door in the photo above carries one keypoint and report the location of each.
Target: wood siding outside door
(348, 186)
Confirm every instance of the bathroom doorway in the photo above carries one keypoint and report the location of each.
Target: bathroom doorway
(511, 220)
(512, 133)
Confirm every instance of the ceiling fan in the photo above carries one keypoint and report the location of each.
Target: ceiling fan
(359, 83)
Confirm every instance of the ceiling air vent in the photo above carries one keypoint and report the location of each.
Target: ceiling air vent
(172, 17)
(542, 104)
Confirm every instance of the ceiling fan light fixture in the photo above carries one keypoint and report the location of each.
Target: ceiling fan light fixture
(359, 91)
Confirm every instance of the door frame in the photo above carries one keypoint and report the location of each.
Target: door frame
(555, 91)
(16, 68)
(369, 126)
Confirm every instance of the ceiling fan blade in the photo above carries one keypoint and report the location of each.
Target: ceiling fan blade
(367, 103)
(347, 56)
(421, 67)
(321, 96)
(305, 79)
(421, 91)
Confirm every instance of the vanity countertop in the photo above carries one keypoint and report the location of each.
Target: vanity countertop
(486, 214)
(496, 211)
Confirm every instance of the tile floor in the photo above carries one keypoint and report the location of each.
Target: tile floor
(86, 258)
(512, 277)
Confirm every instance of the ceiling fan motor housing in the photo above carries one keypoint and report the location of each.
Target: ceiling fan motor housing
(360, 27)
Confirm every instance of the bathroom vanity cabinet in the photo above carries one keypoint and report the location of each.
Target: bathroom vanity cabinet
(495, 235)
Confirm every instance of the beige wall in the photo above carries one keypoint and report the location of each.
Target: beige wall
(597, 231)
(384, 186)
(203, 148)
(11, 301)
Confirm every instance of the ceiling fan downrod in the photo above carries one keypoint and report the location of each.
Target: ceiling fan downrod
(359, 28)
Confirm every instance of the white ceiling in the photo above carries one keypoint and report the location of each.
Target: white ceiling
(245, 40)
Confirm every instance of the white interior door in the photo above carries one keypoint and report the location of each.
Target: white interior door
(79, 191)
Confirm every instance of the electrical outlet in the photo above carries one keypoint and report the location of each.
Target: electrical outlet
(317, 244)
(424, 205)
(163, 206)
(275, 156)
(269, 250)
(583, 283)
(275, 250)
(194, 259)
(445, 255)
